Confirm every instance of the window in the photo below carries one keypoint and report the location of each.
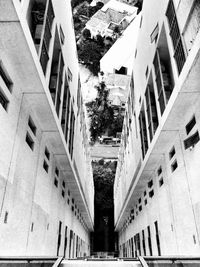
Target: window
(179, 54)
(151, 193)
(5, 77)
(164, 82)
(46, 152)
(57, 171)
(56, 182)
(139, 200)
(145, 201)
(140, 208)
(63, 184)
(143, 133)
(68, 192)
(161, 182)
(192, 25)
(6, 217)
(190, 125)
(147, 72)
(63, 193)
(151, 109)
(3, 101)
(192, 140)
(72, 200)
(45, 166)
(62, 36)
(69, 74)
(159, 171)
(145, 192)
(29, 141)
(172, 152)
(157, 238)
(150, 183)
(32, 125)
(154, 34)
(174, 165)
(32, 226)
(149, 240)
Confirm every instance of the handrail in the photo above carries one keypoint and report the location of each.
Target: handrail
(142, 261)
(58, 262)
(172, 258)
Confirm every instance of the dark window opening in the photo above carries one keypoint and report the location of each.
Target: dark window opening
(172, 152)
(151, 109)
(190, 125)
(5, 77)
(32, 126)
(29, 141)
(4, 101)
(157, 238)
(163, 72)
(6, 217)
(45, 166)
(149, 240)
(151, 193)
(145, 201)
(140, 208)
(161, 181)
(159, 171)
(143, 243)
(174, 166)
(56, 182)
(63, 184)
(57, 171)
(122, 70)
(143, 133)
(46, 152)
(192, 140)
(179, 54)
(150, 183)
(63, 193)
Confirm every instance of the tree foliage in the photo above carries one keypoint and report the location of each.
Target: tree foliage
(100, 112)
(104, 175)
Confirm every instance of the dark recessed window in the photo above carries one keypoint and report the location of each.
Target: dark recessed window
(63, 184)
(68, 193)
(190, 125)
(72, 200)
(139, 200)
(145, 192)
(72, 208)
(32, 226)
(31, 124)
(174, 166)
(140, 208)
(62, 36)
(6, 217)
(172, 152)
(46, 152)
(56, 182)
(63, 193)
(192, 140)
(5, 77)
(45, 166)
(159, 171)
(145, 201)
(136, 213)
(151, 193)
(3, 101)
(147, 72)
(29, 141)
(161, 182)
(57, 171)
(75, 206)
(150, 183)
(68, 201)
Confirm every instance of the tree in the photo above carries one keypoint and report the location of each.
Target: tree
(86, 33)
(101, 114)
(89, 53)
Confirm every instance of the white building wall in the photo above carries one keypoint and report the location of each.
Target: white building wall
(31, 205)
(175, 203)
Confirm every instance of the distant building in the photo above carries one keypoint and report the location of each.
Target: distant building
(112, 14)
(124, 48)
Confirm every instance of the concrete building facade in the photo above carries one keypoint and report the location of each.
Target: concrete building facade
(156, 191)
(46, 183)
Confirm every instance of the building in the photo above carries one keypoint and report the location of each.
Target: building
(46, 183)
(156, 191)
(112, 14)
(124, 48)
